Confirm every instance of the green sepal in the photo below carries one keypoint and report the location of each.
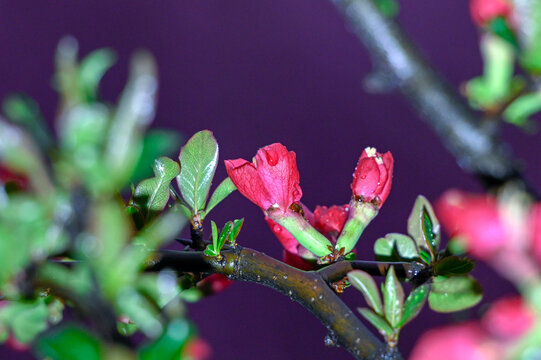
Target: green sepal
(363, 282)
(376, 320)
(454, 293)
(499, 26)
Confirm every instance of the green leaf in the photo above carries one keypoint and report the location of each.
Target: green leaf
(414, 303)
(69, 343)
(237, 225)
(214, 235)
(423, 226)
(225, 188)
(453, 265)
(425, 256)
(170, 344)
(395, 246)
(134, 113)
(156, 143)
(26, 319)
(23, 110)
(152, 194)
(376, 320)
(388, 8)
(393, 298)
(198, 160)
(454, 293)
(224, 235)
(92, 69)
(210, 251)
(363, 282)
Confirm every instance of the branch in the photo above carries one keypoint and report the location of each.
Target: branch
(308, 288)
(400, 65)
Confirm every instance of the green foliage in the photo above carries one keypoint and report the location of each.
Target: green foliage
(169, 346)
(198, 160)
(378, 321)
(424, 228)
(414, 303)
(152, 195)
(395, 247)
(69, 343)
(393, 298)
(156, 143)
(449, 294)
(363, 282)
(25, 319)
(223, 190)
(229, 233)
(453, 265)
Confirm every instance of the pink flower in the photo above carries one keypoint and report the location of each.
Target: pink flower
(330, 221)
(483, 11)
(214, 284)
(272, 181)
(535, 226)
(373, 176)
(508, 318)
(197, 349)
(9, 177)
(475, 219)
(466, 341)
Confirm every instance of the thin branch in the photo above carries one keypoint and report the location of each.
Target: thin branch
(308, 288)
(476, 150)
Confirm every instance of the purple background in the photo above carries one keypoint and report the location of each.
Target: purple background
(258, 72)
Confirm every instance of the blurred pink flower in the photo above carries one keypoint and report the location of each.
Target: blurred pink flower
(214, 284)
(465, 341)
(508, 318)
(483, 11)
(197, 349)
(475, 219)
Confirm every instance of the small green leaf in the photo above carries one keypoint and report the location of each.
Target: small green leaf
(224, 234)
(26, 319)
(414, 303)
(423, 226)
(425, 256)
(454, 294)
(499, 27)
(23, 110)
(522, 108)
(198, 160)
(225, 188)
(156, 143)
(237, 225)
(152, 194)
(388, 8)
(170, 344)
(376, 320)
(214, 235)
(210, 251)
(69, 343)
(92, 69)
(396, 247)
(393, 298)
(453, 265)
(363, 282)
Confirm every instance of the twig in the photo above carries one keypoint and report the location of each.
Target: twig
(308, 288)
(458, 127)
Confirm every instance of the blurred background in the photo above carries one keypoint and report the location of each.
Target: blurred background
(258, 72)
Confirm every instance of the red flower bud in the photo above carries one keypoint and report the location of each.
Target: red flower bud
(271, 181)
(197, 349)
(9, 177)
(483, 11)
(475, 219)
(535, 226)
(373, 176)
(508, 318)
(214, 284)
